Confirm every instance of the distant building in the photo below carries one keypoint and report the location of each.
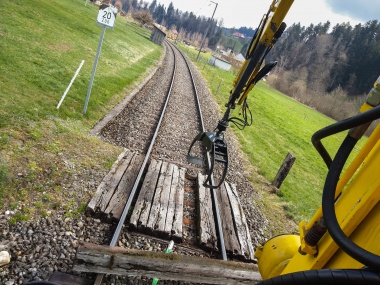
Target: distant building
(238, 35)
(173, 34)
(240, 57)
(219, 63)
(157, 35)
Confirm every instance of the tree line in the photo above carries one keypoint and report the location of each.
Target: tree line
(188, 24)
(316, 58)
(329, 69)
(344, 57)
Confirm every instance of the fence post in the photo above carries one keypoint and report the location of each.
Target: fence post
(217, 89)
(284, 170)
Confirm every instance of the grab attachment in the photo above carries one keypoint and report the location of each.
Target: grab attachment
(216, 146)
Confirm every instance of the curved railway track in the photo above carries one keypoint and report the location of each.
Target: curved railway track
(165, 135)
(56, 239)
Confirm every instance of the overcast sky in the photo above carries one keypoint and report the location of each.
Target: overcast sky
(237, 13)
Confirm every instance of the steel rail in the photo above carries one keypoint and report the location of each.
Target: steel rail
(218, 220)
(123, 217)
(119, 227)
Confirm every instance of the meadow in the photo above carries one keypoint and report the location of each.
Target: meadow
(42, 149)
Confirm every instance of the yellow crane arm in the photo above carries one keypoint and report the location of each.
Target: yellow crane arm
(269, 30)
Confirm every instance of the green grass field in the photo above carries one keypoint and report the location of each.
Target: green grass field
(42, 44)
(280, 125)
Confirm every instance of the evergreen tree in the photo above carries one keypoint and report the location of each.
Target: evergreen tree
(214, 40)
(134, 4)
(152, 6)
(125, 5)
(159, 14)
(170, 19)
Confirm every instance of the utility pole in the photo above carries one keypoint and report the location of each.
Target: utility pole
(204, 38)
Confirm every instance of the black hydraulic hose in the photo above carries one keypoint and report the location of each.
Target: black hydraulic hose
(326, 277)
(348, 123)
(328, 200)
(258, 33)
(264, 71)
(323, 152)
(340, 126)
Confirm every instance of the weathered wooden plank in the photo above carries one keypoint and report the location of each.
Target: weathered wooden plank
(176, 230)
(223, 214)
(92, 207)
(164, 199)
(240, 221)
(251, 250)
(143, 204)
(155, 209)
(114, 182)
(128, 262)
(237, 219)
(230, 240)
(184, 165)
(206, 224)
(171, 202)
(116, 205)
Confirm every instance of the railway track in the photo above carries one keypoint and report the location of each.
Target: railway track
(158, 135)
(157, 130)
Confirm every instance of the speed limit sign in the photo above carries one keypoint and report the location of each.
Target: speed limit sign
(107, 16)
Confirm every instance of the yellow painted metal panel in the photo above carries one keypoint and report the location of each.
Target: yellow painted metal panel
(355, 210)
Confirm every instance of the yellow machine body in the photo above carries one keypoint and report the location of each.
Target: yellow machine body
(357, 192)
(358, 213)
(275, 254)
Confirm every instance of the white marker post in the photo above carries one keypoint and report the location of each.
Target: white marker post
(106, 18)
(71, 83)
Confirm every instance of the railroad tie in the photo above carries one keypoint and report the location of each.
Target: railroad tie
(112, 193)
(236, 234)
(159, 207)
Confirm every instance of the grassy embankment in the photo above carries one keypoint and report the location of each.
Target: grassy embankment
(280, 125)
(43, 151)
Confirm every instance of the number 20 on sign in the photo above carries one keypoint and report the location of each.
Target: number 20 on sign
(106, 16)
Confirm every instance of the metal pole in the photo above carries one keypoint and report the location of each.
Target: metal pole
(94, 70)
(204, 39)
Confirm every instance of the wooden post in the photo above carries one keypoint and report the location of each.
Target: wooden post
(130, 262)
(284, 170)
(217, 89)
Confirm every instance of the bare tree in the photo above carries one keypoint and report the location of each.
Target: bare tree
(143, 17)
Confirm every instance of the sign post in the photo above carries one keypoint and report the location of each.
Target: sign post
(106, 18)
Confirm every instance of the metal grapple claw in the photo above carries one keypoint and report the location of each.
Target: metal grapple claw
(216, 147)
